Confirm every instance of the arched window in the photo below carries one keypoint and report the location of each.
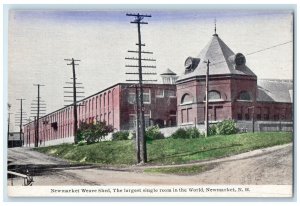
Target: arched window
(244, 95)
(213, 95)
(186, 98)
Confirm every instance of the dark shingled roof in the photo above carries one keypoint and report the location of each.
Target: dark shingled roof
(220, 56)
(274, 90)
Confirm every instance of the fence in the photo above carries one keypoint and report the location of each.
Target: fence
(246, 126)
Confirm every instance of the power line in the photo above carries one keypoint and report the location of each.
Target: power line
(261, 50)
(258, 51)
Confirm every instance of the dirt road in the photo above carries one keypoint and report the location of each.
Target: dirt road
(265, 166)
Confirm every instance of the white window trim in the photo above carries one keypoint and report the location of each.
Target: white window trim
(187, 123)
(131, 93)
(161, 96)
(215, 100)
(149, 97)
(186, 103)
(242, 100)
(172, 96)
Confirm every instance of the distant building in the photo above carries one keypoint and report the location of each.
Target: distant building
(114, 105)
(169, 77)
(234, 90)
(14, 140)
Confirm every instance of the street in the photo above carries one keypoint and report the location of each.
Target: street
(264, 166)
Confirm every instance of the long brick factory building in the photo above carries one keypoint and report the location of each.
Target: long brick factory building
(234, 93)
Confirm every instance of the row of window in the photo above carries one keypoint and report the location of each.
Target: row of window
(101, 102)
(276, 117)
(149, 122)
(61, 121)
(159, 93)
(214, 96)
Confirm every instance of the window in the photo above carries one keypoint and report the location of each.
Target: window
(266, 116)
(89, 107)
(247, 116)
(147, 120)
(170, 93)
(92, 110)
(213, 95)
(108, 100)
(146, 97)
(132, 121)
(96, 103)
(186, 115)
(186, 99)
(172, 113)
(258, 116)
(104, 99)
(160, 93)
(240, 113)
(131, 98)
(266, 113)
(244, 95)
(240, 117)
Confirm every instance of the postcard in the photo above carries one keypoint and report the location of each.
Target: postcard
(150, 102)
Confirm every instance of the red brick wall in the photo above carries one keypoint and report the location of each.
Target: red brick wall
(160, 108)
(109, 105)
(230, 107)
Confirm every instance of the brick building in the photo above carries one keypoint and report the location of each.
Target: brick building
(114, 105)
(234, 90)
(234, 93)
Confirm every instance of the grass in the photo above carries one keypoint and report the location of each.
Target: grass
(186, 170)
(168, 151)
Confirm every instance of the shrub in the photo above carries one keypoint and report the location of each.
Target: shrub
(131, 135)
(121, 135)
(81, 143)
(153, 133)
(189, 133)
(193, 133)
(212, 130)
(92, 133)
(226, 127)
(180, 134)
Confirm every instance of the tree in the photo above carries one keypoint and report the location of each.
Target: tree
(93, 132)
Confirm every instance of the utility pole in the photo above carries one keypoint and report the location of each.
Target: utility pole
(137, 139)
(253, 119)
(74, 98)
(21, 118)
(8, 123)
(140, 108)
(36, 107)
(207, 97)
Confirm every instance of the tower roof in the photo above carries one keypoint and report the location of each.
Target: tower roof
(168, 72)
(223, 61)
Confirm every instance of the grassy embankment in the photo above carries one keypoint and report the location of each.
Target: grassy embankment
(168, 151)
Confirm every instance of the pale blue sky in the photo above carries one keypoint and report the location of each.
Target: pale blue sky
(39, 41)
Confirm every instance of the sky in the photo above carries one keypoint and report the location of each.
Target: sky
(40, 40)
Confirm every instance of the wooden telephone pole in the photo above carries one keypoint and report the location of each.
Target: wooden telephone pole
(207, 98)
(141, 139)
(75, 128)
(21, 119)
(37, 108)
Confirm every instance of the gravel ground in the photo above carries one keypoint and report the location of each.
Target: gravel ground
(264, 166)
